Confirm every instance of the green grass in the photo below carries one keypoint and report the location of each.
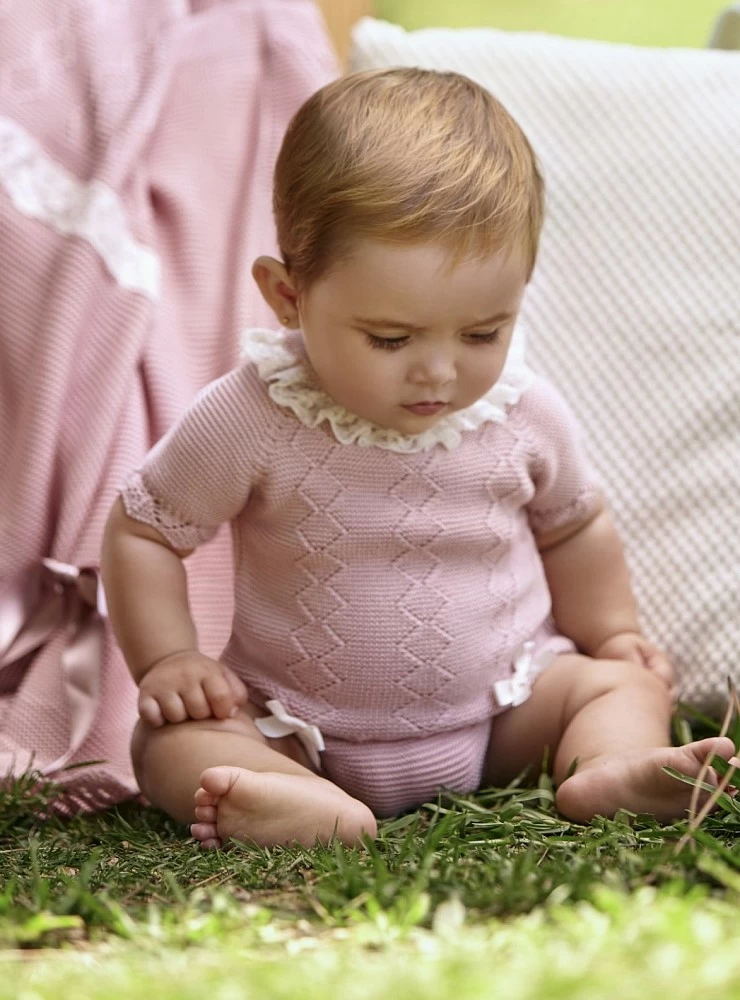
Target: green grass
(639, 22)
(493, 895)
(652, 944)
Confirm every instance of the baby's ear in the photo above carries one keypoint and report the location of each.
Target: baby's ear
(277, 289)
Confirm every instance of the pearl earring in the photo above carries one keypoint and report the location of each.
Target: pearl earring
(286, 320)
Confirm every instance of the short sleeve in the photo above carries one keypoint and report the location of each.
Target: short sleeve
(566, 488)
(201, 472)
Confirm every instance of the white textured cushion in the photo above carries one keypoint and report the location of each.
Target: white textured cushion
(635, 306)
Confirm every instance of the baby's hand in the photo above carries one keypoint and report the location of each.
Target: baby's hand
(189, 685)
(637, 649)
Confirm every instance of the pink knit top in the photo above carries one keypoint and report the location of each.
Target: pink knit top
(382, 583)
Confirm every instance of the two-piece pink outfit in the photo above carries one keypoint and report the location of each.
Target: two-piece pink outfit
(389, 595)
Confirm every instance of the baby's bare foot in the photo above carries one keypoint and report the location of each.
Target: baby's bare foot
(272, 808)
(635, 780)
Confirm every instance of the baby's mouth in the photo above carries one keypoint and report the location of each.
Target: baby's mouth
(427, 408)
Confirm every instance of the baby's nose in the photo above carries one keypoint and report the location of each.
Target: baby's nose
(434, 369)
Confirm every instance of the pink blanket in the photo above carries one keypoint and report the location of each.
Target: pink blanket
(137, 142)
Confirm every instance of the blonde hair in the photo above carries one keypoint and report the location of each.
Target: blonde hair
(403, 156)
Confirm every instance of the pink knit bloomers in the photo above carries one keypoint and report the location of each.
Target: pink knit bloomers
(389, 594)
(391, 776)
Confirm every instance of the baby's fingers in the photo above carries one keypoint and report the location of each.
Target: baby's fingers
(165, 707)
(238, 687)
(220, 696)
(150, 712)
(196, 702)
(173, 707)
(659, 664)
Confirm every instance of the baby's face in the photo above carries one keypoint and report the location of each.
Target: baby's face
(393, 327)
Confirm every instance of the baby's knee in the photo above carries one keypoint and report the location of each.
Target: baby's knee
(599, 678)
(154, 749)
(138, 740)
(613, 675)
(144, 743)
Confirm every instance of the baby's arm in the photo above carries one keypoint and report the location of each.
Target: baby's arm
(146, 591)
(196, 478)
(592, 598)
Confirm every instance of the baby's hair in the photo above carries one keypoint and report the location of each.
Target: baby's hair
(404, 156)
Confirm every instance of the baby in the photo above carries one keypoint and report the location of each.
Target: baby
(429, 589)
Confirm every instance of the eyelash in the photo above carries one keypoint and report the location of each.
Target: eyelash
(395, 343)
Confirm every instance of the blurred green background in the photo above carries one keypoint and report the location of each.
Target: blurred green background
(686, 23)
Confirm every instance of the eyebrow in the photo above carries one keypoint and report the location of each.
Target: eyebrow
(394, 324)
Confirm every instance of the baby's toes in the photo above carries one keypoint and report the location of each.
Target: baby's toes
(206, 814)
(722, 746)
(206, 833)
(218, 781)
(204, 798)
(212, 844)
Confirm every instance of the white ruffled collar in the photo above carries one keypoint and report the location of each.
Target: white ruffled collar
(292, 383)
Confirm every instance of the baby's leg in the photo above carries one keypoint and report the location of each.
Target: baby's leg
(225, 776)
(613, 718)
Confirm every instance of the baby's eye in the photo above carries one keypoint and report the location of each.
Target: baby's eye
(484, 338)
(386, 343)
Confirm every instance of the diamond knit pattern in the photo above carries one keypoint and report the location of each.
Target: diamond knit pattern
(319, 601)
(426, 641)
(378, 594)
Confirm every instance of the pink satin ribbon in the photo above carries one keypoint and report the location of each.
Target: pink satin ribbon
(57, 596)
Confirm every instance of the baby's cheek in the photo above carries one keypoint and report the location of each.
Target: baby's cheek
(486, 369)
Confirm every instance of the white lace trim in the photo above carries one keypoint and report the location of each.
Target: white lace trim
(142, 505)
(44, 190)
(291, 383)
